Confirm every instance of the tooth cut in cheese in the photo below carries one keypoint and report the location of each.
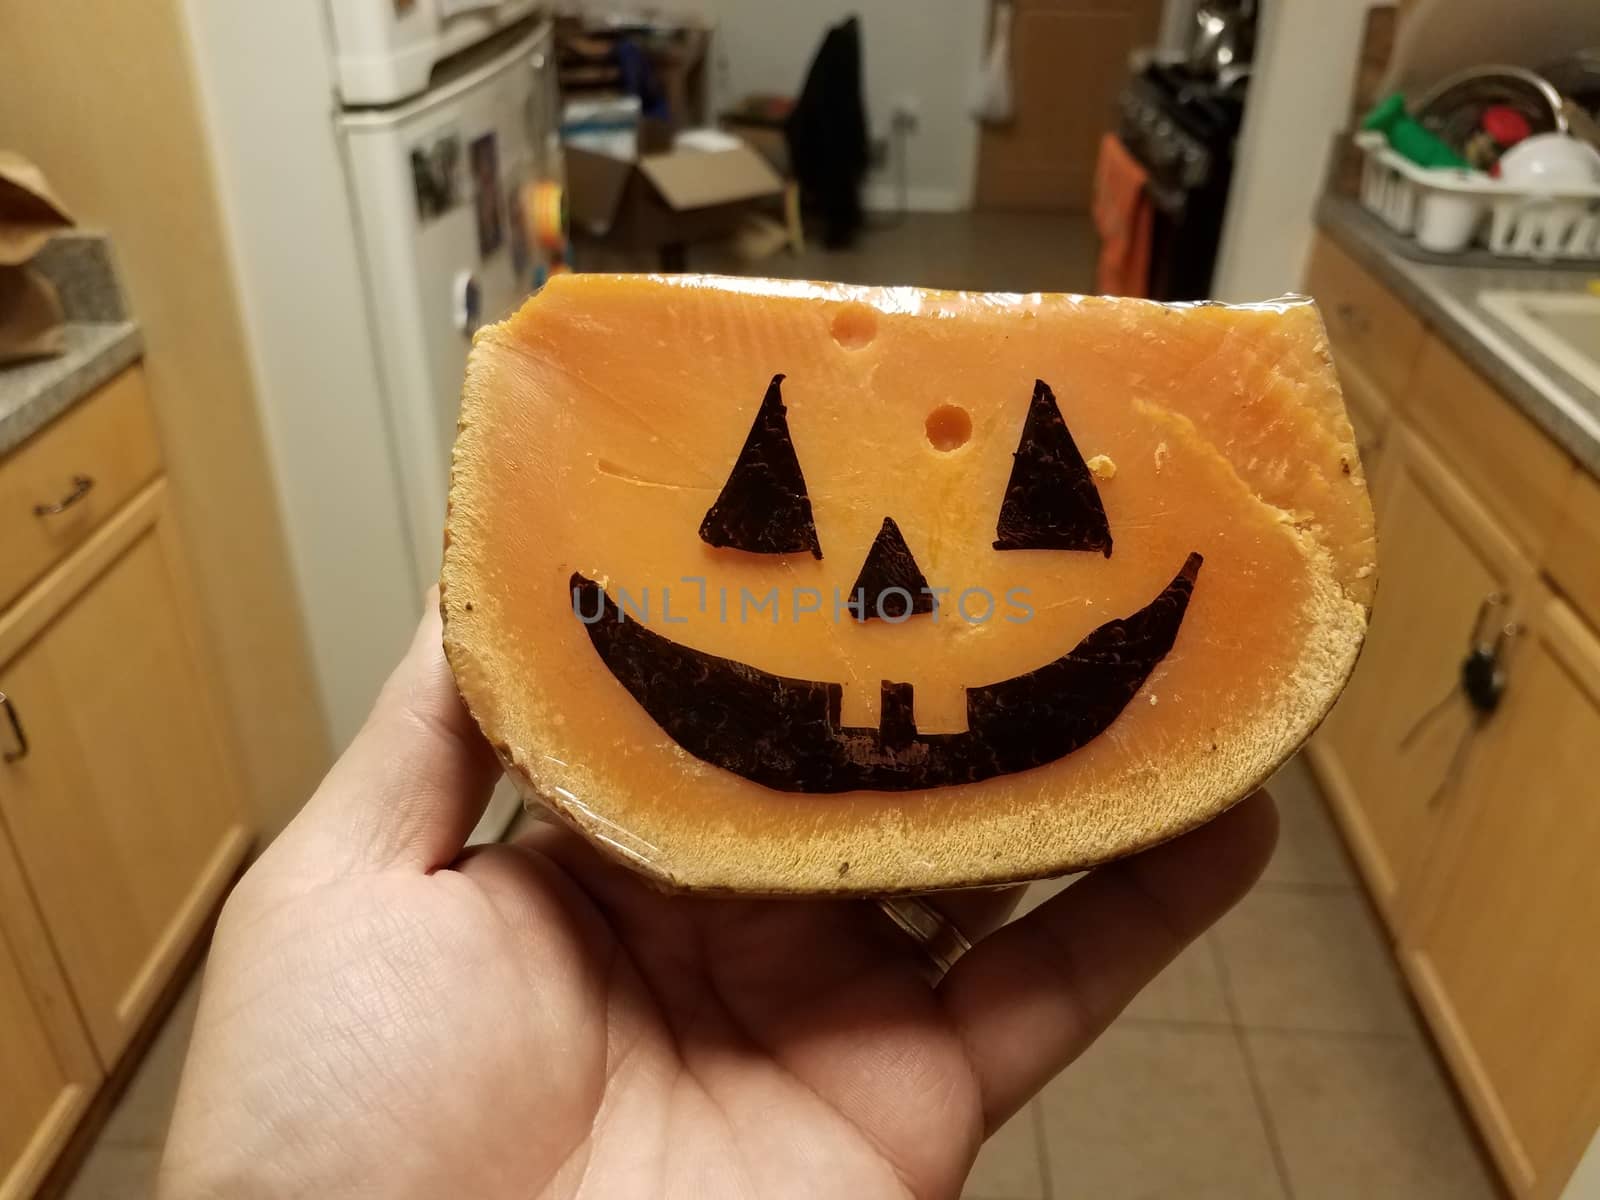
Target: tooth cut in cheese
(784, 587)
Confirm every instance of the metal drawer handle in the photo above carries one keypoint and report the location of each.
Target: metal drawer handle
(82, 485)
(21, 750)
(1482, 680)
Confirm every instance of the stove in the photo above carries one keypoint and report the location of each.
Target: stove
(1181, 126)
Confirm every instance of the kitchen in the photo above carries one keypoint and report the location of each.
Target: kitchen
(264, 421)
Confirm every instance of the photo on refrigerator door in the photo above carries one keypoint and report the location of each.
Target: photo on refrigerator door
(434, 167)
(486, 195)
(521, 260)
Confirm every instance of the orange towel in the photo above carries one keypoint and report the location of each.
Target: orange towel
(1122, 217)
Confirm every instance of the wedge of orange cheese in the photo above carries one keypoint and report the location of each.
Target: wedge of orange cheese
(783, 587)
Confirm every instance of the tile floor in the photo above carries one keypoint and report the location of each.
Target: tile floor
(122, 1164)
(1277, 1058)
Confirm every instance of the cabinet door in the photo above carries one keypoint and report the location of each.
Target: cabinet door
(1389, 749)
(1506, 954)
(48, 1069)
(125, 810)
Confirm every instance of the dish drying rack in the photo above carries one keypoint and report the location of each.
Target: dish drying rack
(1519, 223)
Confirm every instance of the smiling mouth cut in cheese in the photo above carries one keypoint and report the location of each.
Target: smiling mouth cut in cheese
(786, 734)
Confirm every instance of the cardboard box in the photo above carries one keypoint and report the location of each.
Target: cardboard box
(769, 141)
(762, 120)
(667, 199)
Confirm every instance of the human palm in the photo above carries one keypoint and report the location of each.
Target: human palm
(384, 1015)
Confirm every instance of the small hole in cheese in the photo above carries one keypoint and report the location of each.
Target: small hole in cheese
(854, 326)
(948, 428)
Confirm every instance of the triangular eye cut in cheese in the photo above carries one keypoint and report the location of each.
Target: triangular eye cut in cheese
(779, 587)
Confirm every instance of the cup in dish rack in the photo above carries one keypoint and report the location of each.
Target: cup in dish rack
(1446, 221)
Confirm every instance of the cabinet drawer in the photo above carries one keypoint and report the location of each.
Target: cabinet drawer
(1574, 556)
(1366, 323)
(1503, 458)
(64, 481)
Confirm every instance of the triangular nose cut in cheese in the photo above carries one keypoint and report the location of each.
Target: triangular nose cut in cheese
(786, 587)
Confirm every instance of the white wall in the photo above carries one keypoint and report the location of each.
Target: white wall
(267, 97)
(1439, 37)
(924, 50)
(1306, 53)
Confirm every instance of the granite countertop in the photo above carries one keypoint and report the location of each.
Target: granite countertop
(101, 339)
(1446, 296)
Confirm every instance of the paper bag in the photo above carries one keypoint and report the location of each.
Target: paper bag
(29, 211)
(30, 316)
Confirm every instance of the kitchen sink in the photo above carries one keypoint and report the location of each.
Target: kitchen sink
(1563, 326)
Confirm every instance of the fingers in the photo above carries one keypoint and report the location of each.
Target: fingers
(415, 779)
(1031, 997)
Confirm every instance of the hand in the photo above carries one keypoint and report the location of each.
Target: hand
(384, 1015)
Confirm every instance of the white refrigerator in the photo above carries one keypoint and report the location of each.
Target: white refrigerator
(436, 181)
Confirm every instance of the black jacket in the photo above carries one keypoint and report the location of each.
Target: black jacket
(827, 134)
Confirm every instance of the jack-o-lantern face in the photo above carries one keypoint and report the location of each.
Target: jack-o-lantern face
(787, 734)
(928, 609)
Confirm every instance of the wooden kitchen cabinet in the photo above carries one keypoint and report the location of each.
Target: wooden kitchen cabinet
(49, 1071)
(1385, 754)
(85, 465)
(124, 811)
(1502, 457)
(1375, 342)
(1367, 324)
(1484, 865)
(1370, 418)
(1504, 953)
(1573, 559)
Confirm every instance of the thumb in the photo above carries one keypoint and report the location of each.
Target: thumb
(413, 782)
